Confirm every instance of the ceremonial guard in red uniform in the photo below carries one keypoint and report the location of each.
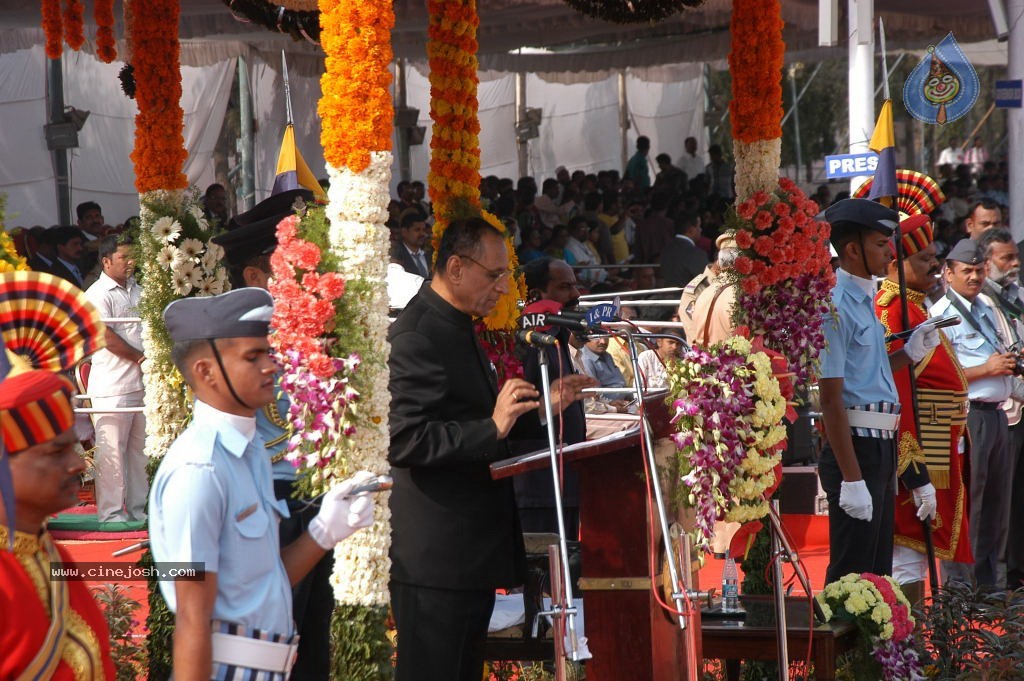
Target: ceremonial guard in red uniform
(941, 390)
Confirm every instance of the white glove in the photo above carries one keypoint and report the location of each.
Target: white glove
(340, 517)
(924, 338)
(924, 499)
(855, 499)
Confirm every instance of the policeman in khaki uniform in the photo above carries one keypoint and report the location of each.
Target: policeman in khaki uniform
(212, 501)
(860, 404)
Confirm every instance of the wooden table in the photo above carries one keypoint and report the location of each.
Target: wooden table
(733, 640)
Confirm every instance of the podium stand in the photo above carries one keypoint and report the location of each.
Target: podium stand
(628, 633)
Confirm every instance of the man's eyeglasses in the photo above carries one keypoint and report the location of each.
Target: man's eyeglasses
(495, 276)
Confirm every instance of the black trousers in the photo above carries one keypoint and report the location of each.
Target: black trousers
(861, 545)
(312, 598)
(441, 632)
(989, 495)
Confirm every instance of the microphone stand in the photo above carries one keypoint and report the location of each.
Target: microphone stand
(565, 610)
(647, 446)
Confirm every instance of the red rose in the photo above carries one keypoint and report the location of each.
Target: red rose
(751, 285)
(781, 209)
(744, 239)
(763, 245)
(760, 197)
(743, 265)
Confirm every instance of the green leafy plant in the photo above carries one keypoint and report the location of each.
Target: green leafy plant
(128, 653)
(967, 634)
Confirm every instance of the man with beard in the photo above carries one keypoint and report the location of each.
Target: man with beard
(988, 367)
(859, 400)
(929, 460)
(1005, 297)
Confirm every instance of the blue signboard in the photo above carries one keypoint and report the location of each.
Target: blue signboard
(850, 165)
(1008, 94)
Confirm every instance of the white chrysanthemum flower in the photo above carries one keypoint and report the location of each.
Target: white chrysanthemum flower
(206, 286)
(167, 229)
(181, 283)
(191, 248)
(167, 256)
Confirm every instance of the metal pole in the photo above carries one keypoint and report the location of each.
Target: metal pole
(796, 119)
(623, 121)
(780, 600)
(1015, 118)
(248, 195)
(803, 91)
(568, 607)
(522, 145)
(287, 90)
(55, 87)
(861, 79)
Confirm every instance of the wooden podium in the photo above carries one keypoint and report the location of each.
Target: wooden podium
(629, 634)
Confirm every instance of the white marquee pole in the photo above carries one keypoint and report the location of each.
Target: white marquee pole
(861, 79)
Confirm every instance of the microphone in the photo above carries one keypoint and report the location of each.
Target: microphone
(535, 338)
(543, 314)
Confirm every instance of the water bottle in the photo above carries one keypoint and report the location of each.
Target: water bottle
(730, 586)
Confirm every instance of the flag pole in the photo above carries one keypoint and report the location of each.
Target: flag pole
(933, 578)
(287, 90)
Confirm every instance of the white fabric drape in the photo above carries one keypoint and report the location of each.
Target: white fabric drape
(100, 167)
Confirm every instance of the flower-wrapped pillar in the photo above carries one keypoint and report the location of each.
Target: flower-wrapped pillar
(173, 254)
(357, 113)
(454, 178)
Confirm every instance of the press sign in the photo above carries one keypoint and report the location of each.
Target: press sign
(850, 165)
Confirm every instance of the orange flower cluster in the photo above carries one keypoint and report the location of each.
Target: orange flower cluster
(159, 153)
(355, 108)
(505, 316)
(74, 30)
(780, 238)
(455, 145)
(53, 28)
(756, 65)
(304, 298)
(103, 13)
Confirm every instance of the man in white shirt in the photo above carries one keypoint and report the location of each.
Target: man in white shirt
(691, 162)
(953, 154)
(114, 382)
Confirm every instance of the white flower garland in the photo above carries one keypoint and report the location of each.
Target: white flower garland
(757, 166)
(177, 260)
(357, 211)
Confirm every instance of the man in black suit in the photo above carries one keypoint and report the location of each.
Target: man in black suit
(455, 532)
(682, 260)
(68, 242)
(550, 279)
(410, 249)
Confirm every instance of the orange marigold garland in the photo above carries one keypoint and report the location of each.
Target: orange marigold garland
(355, 107)
(159, 153)
(454, 178)
(53, 28)
(103, 13)
(755, 63)
(455, 145)
(74, 29)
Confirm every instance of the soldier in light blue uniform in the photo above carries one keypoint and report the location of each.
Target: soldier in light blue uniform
(212, 501)
(248, 246)
(860, 404)
(989, 368)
